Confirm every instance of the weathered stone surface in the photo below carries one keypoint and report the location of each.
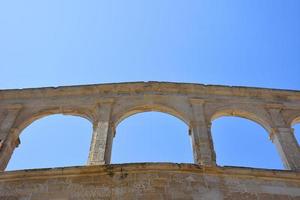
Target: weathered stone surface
(149, 181)
(106, 105)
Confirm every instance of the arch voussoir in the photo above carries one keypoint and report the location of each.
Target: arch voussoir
(253, 113)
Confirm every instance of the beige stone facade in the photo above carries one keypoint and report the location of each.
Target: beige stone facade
(106, 105)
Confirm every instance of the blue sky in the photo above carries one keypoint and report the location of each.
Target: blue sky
(232, 42)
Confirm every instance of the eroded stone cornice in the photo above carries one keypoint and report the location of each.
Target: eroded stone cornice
(133, 168)
(115, 89)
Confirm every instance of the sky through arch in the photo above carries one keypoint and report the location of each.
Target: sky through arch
(242, 142)
(297, 132)
(152, 137)
(53, 141)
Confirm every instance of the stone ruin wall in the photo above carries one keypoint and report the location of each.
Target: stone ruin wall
(106, 105)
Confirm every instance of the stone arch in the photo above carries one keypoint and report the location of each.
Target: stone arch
(161, 135)
(296, 133)
(138, 106)
(295, 120)
(132, 110)
(29, 118)
(232, 134)
(243, 112)
(62, 132)
(257, 115)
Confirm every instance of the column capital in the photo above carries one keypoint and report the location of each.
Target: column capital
(285, 129)
(196, 101)
(281, 130)
(105, 101)
(103, 109)
(200, 123)
(275, 106)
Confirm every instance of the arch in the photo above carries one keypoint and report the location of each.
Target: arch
(54, 136)
(29, 119)
(295, 125)
(243, 113)
(26, 117)
(295, 121)
(243, 144)
(136, 127)
(132, 110)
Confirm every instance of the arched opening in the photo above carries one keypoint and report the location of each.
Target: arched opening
(152, 137)
(297, 132)
(242, 142)
(296, 127)
(53, 141)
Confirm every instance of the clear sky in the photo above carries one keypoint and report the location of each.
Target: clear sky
(67, 42)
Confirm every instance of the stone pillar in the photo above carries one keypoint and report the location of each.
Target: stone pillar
(103, 132)
(203, 150)
(287, 146)
(284, 139)
(8, 139)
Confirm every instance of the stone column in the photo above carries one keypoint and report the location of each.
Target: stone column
(8, 139)
(287, 146)
(284, 139)
(103, 132)
(203, 150)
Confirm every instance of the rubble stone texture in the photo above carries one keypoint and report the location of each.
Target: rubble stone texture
(106, 105)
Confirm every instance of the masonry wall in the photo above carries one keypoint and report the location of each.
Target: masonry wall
(106, 105)
(149, 182)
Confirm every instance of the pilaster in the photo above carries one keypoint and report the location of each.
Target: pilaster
(8, 140)
(103, 132)
(284, 139)
(287, 146)
(203, 150)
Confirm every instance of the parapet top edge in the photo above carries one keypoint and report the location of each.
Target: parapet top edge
(149, 167)
(152, 83)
